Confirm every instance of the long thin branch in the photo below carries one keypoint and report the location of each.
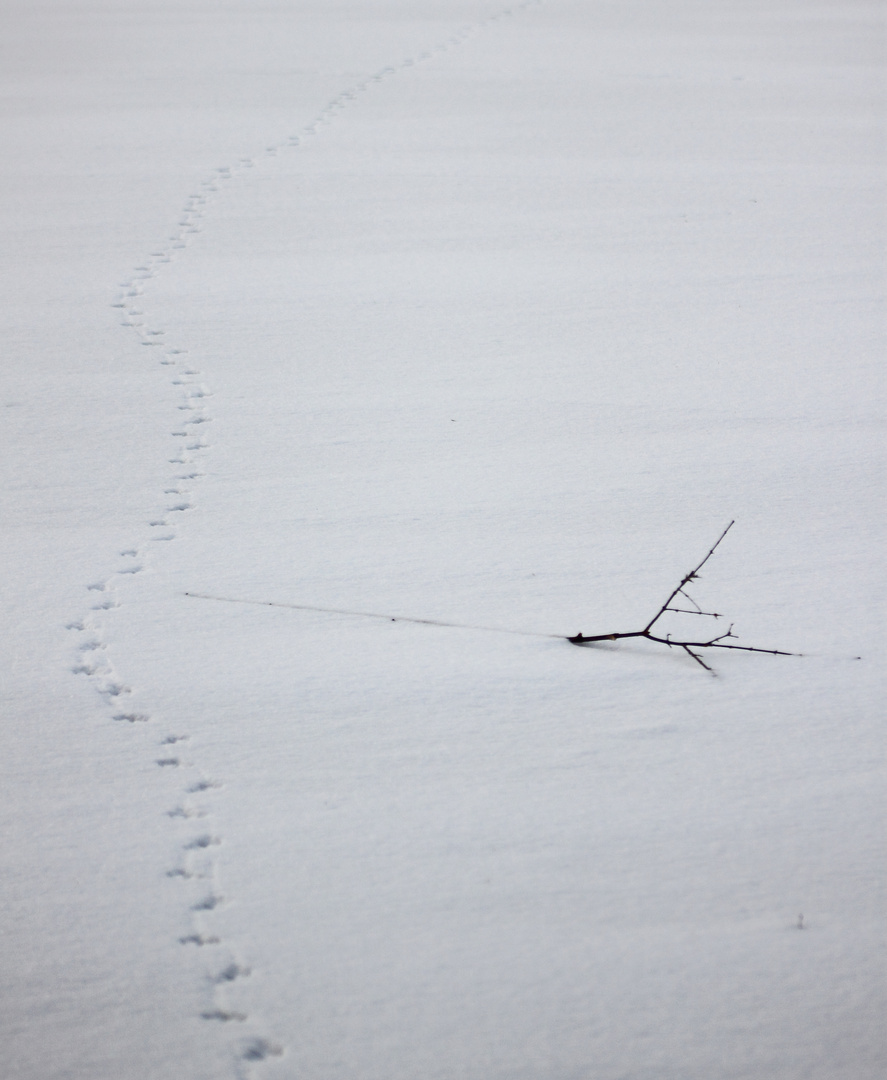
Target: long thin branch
(578, 639)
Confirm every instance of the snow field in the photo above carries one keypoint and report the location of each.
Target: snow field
(500, 334)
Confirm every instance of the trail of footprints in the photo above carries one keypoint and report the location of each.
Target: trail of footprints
(197, 870)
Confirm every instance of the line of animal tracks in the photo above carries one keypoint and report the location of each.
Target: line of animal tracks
(198, 869)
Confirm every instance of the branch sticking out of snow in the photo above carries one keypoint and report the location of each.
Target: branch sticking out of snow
(716, 642)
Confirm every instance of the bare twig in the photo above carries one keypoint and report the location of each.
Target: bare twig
(688, 646)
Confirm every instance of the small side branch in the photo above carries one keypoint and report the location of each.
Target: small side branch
(717, 642)
(694, 573)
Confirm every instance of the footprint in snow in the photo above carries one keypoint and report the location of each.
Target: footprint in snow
(115, 689)
(230, 973)
(199, 939)
(259, 1050)
(209, 903)
(202, 842)
(203, 785)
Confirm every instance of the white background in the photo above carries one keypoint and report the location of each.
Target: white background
(486, 316)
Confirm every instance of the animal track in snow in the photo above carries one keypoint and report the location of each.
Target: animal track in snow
(199, 939)
(185, 812)
(189, 418)
(202, 785)
(208, 903)
(223, 1015)
(259, 1050)
(114, 689)
(231, 972)
(201, 842)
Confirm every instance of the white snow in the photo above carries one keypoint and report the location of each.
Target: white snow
(461, 312)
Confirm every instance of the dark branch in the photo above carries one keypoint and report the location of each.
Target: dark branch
(688, 646)
(717, 642)
(687, 579)
(687, 611)
(698, 659)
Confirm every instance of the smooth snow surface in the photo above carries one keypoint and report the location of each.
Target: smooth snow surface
(480, 314)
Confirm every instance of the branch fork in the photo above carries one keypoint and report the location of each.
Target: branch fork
(717, 642)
